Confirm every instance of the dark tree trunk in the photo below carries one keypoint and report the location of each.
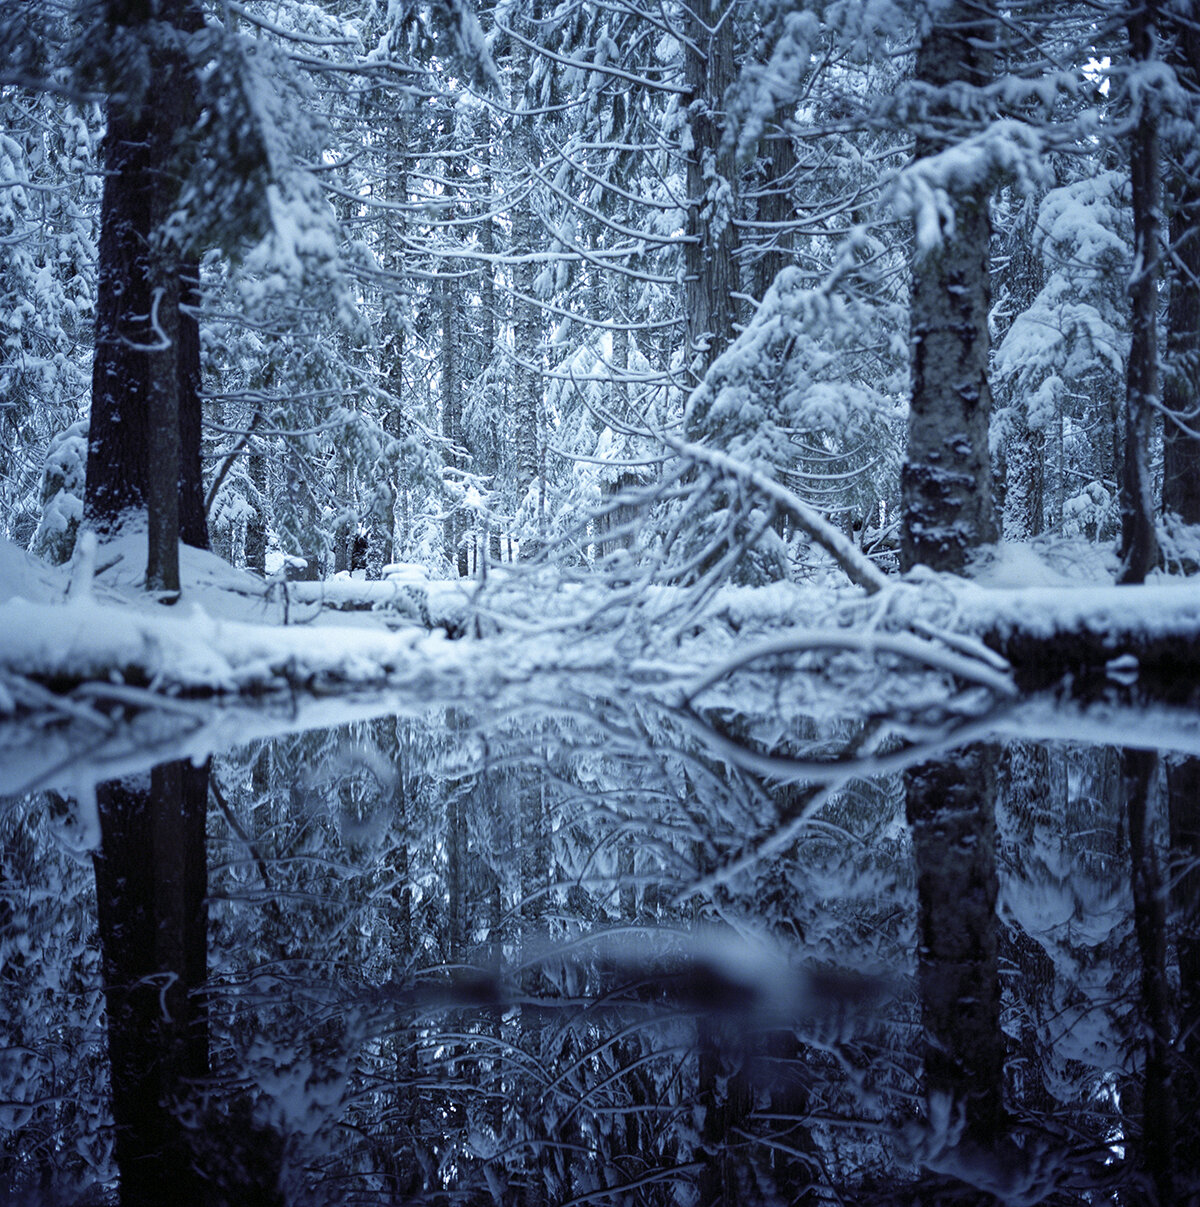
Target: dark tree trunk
(1157, 1142)
(256, 526)
(727, 1096)
(946, 482)
(710, 267)
(1181, 382)
(117, 451)
(151, 881)
(163, 479)
(144, 441)
(1183, 803)
(951, 808)
(1025, 798)
(1181, 398)
(193, 519)
(452, 524)
(1139, 545)
(776, 206)
(947, 512)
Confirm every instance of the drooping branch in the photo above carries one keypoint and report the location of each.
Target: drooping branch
(857, 566)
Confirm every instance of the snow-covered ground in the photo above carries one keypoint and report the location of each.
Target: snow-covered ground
(83, 644)
(229, 633)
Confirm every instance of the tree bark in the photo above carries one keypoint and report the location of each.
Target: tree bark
(775, 206)
(951, 809)
(526, 378)
(1139, 545)
(1157, 1142)
(946, 482)
(1183, 804)
(151, 881)
(1181, 381)
(256, 526)
(144, 440)
(452, 525)
(710, 269)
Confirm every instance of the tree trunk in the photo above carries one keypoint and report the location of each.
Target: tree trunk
(1157, 1141)
(144, 439)
(1181, 382)
(1026, 800)
(775, 206)
(256, 525)
(452, 526)
(345, 526)
(1021, 488)
(1024, 497)
(1183, 803)
(727, 1097)
(527, 385)
(951, 808)
(710, 267)
(1139, 545)
(193, 519)
(151, 881)
(164, 411)
(946, 482)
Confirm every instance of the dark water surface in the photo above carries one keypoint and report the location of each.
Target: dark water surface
(573, 956)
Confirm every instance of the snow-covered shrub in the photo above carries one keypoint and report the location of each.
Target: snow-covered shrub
(63, 476)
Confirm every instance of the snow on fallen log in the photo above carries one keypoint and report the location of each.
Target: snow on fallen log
(1082, 638)
(182, 653)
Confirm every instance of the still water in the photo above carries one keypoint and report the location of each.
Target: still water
(573, 956)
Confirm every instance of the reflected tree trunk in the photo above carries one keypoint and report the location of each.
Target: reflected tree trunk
(950, 807)
(1183, 803)
(151, 881)
(1150, 925)
(534, 870)
(727, 1097)
(1027, 807)
(401, 1162)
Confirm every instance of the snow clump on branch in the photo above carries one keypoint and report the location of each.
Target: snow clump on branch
(926, 190)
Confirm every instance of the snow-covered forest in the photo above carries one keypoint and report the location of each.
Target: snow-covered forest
(597, 602)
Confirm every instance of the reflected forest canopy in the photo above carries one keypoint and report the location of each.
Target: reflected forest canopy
(598, 603)
(424, 962)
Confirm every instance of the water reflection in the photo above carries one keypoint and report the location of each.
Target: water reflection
(569, 959)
